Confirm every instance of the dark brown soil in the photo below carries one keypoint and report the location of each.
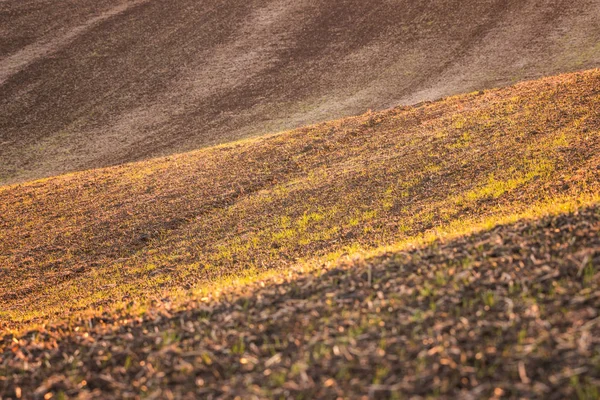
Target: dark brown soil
(89, 83)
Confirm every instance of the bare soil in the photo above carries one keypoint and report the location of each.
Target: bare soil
(85, 84)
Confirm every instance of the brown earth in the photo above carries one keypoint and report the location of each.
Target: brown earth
(85, 84)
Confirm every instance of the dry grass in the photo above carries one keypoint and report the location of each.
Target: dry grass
(108, 238)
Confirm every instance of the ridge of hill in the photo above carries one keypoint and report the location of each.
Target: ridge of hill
(93, 83)
(109, 238)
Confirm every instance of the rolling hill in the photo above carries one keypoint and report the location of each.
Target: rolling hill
(444, 249)
(299, 199)
(87, 83)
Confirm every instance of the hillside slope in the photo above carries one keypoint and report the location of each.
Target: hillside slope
(85, 84)
(140, 231)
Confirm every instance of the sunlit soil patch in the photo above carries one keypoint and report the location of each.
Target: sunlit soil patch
(117, 238)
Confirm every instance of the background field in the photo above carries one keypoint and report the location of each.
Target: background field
(87, 84)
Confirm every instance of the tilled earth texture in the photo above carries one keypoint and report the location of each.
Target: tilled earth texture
(90, 83)
(510, 312)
